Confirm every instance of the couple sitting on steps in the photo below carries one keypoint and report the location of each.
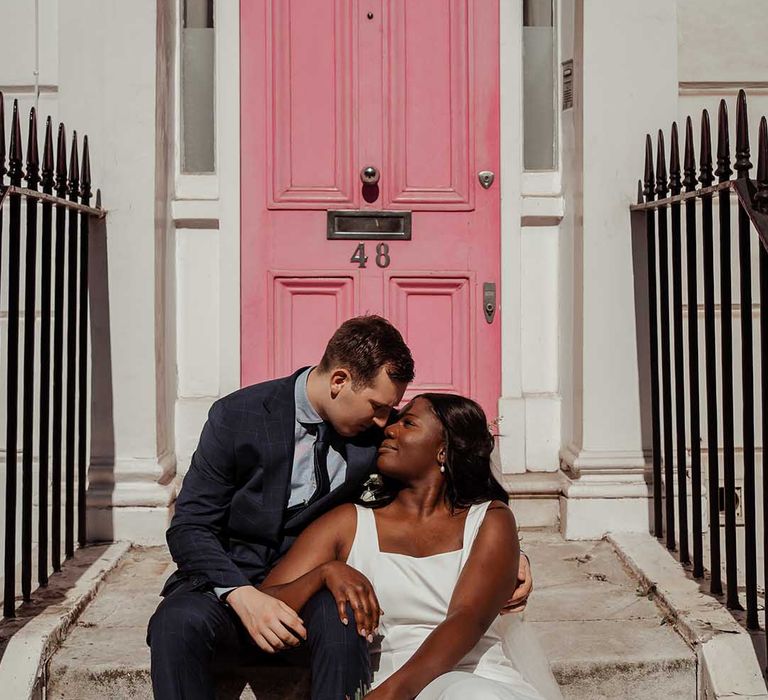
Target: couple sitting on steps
(401, 596)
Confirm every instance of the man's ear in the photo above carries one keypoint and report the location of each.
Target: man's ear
(339, 378)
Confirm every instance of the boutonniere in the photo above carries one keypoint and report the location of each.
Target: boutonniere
(360, 692)
(373, 489)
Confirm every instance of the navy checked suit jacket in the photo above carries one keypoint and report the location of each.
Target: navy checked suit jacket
(229, 523)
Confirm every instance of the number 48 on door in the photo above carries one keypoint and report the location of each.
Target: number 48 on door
(382, 255)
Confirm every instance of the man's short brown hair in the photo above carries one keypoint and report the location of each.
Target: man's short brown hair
(364, 345)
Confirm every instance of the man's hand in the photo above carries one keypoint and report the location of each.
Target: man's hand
(384, 693)
(348, 585)
(271, 623)
(519, 598)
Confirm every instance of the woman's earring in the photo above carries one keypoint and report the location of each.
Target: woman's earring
(442, 468)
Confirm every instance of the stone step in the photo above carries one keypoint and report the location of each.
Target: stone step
(534, 498)
(603, 637)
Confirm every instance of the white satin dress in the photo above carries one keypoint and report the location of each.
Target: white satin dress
(414, 593)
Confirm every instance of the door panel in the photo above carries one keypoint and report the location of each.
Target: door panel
(306, 312)
(310, 125)
(429, 84)
(434, 316)
(411, 88)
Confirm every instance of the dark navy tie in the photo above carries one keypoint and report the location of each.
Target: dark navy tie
(322, 443)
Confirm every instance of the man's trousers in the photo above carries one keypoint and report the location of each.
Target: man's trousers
(196, 640)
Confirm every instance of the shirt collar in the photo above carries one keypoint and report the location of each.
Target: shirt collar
(305, 412)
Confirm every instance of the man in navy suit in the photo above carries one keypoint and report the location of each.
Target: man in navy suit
(271, 458)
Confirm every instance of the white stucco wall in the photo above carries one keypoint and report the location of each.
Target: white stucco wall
(625, 91)
(206, 213)
(530, 207)
(107, 80)
(97, 72)
(569, 367)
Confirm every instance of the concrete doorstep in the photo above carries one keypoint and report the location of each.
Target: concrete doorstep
(616, 619)
(728, 665)
(603, 638)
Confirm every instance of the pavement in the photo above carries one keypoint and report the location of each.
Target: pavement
(604, 636)
(35, 633)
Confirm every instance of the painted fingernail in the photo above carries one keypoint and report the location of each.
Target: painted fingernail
(370, 639)
(362, 632)
(344, 621)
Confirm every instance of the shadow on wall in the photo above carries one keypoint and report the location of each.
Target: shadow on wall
(101, 476)
(639, 235)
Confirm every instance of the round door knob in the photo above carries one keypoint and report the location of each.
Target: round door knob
(369, 175)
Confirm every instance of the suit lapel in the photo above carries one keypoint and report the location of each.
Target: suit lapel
(280, 419)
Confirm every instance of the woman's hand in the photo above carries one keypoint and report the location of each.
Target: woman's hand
(272, 624)
(348, 585)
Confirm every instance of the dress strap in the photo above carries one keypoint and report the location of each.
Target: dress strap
(365, 547)
(472, 525)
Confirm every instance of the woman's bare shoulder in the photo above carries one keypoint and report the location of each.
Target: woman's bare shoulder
(499, 519)
(499, 505)
(341, 517)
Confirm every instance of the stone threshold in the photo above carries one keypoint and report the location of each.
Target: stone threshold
(728, 665)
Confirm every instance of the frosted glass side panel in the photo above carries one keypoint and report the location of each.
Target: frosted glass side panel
(198, 42)
(539, 135)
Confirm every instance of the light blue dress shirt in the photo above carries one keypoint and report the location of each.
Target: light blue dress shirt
(303, 483)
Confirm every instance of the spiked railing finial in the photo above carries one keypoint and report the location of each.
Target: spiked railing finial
(723, 171)
(706, 177)
(648, 177)
(47, 170)
(85, 174)
(761, 196)
(61, 163)
(742, 163)
(675, 184)
(661, 167)
(74, 170)
(15, 155)
(33, 156)
(689, 164)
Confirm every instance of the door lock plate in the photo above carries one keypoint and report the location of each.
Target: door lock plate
(486, 178)
(489, 301)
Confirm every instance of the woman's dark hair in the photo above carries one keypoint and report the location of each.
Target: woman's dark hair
(468, 447)
(364, 345)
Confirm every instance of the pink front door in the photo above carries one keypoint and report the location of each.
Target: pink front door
(328, 88)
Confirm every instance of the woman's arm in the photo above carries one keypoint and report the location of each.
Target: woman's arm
(316, 561)
(296, 577)
(481, 590)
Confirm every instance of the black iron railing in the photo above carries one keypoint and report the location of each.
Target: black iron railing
(674, 401)
(60, 424)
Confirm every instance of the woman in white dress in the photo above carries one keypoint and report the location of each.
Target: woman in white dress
(427, 573)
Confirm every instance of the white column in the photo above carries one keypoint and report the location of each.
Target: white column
(110, 74)
(626, 86)
(511, 403)
(208, 260)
